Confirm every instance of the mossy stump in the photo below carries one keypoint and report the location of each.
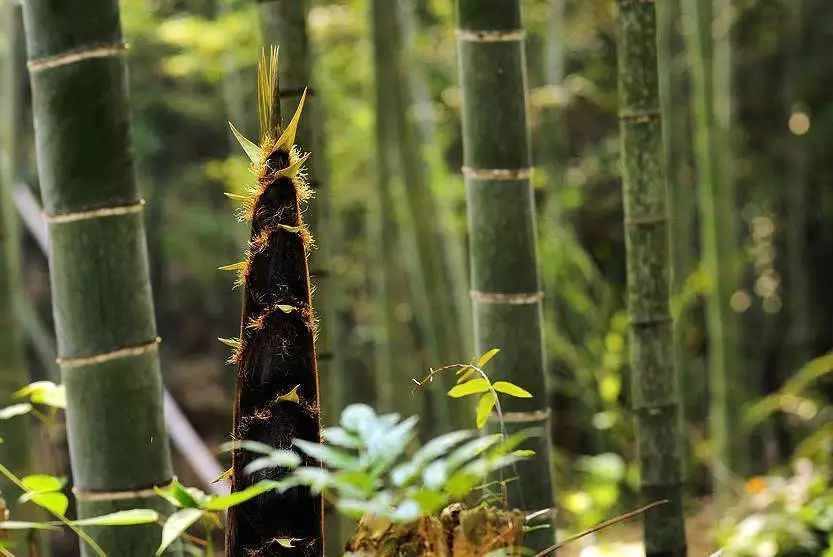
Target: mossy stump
(457, 532)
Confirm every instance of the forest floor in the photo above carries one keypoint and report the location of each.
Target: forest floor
(625, 540)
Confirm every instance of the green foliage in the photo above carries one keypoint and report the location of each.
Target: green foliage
(783, 516)
(194, 505)
(599, 482)
(42, 393)
(468, 385)
(368, 469)
(45, 491)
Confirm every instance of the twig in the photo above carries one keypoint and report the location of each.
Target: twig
(601, 526)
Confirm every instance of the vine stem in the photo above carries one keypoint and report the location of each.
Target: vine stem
(601, 526)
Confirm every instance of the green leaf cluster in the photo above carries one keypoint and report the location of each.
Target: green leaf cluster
(194, 504)
(371, 466)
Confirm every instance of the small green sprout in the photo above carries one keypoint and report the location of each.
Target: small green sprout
(473, 380)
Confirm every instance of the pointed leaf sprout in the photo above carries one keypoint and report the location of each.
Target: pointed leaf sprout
(251, 149)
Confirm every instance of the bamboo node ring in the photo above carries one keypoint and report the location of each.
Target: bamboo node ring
(126, 352)
(56, 218)
(74, 56)
(83, 495)
(494, 174)
(521, 299)
(483, 36)
(522, 417)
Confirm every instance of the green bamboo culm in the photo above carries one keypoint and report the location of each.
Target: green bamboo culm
(101, 295)
(506, 289)
(717, 235)
(654, 383)
(15, 450)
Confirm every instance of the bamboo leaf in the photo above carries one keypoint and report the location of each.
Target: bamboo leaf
(176, 525)
(23, 525)
(511, 389)
(120, 518)
(253, 446)
(291, 396)
(239, 266)
(224, 477)
(473, 387)
(332, 458)
(485, 358)
(484, 408)
(42, 483)
(276, 459)
(287, 139)
(252, 151)
(15, 410)
(523, 453)
(53, 501)
(237, 197)
(223, 502)
(230, 342)
(293, 169)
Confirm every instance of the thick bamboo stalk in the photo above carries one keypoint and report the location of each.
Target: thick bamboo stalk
(506, 289)
(15, 450)
(107, 342)
(717, 237)
(654, 382)
(277, 396)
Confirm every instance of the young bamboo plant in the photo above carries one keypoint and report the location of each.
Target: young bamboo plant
(277, 379)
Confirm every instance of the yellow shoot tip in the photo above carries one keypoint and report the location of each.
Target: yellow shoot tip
(252, 151)
(239, 266)
(230, 342)
(287, 139)
(293, 169)
(237, 197)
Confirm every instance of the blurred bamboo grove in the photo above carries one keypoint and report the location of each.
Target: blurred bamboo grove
(747, 121)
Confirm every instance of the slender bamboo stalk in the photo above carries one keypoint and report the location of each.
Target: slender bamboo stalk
(424, 117)
(506, 289)
(717, 234)
(392, 388)
(420, 234)
(15, 450)
(277, 397)
(107, 340)
(654, 381)
(673, 71)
